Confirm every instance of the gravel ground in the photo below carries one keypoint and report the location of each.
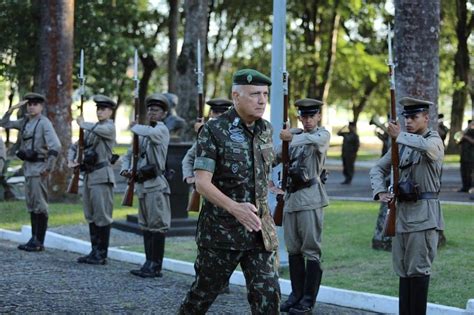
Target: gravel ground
(52, 282)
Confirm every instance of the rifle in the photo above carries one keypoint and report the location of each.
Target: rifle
(128, 196)
(285, 159)
(73, 187)
(7, 130)
(389, 226)
(194, 202)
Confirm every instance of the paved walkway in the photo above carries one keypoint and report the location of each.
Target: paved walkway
(52, 282)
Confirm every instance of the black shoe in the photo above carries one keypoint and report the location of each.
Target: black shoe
(34, 246)
(312, 283)
(138, 272)
(148, 270)
(98, 258)
(94, 240)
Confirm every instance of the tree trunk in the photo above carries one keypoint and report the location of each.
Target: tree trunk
(416, 52)
(194, 29)
(173, 39)
(55, 80)
(461, 75)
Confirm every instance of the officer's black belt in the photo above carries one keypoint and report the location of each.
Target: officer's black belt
(428, 195)
(295, 188)
(98, 166)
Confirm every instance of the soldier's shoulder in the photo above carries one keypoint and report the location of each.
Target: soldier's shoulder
(45, 121)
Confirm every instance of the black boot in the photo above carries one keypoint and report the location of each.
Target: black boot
(404, 296)
(297, 275)
(93, 237)
(41, 226)
(147, 243)
(100, 255)
(312, 282)
(33, 233)
(419, 294)
(158, 252)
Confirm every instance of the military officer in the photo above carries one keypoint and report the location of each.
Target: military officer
(305, 199)
(99, 180)
(419, 214)
(350, 146)
(39, 149)
(152, 188)
(232, 168)
(218, 106)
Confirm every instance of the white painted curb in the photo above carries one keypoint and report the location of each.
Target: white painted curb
(353, 299)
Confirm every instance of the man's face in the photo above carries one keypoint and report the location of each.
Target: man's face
(155, 113)
(417, 123)
(310, 121)
(250, 103)
(104, 113)
(34, 108)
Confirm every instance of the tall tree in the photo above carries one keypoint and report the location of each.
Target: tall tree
(196, 12)
(55, 79)
(173, 43)
(416, 51)
(464, 27)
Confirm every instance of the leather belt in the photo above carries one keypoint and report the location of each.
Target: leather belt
(428, 195)
(311, 182)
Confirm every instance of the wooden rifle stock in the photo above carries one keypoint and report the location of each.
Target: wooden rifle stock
(128, 195)
(73, 187)
(390, 220)
(278, 212)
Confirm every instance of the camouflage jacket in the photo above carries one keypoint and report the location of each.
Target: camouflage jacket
(240, 160)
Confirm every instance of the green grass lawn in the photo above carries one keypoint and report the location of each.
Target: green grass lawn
(348, 260)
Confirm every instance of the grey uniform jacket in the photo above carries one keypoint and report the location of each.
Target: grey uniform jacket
(314, 146)
(101, 137)
(188, 162)
(153, 150)
(46, 142)
(421, 160)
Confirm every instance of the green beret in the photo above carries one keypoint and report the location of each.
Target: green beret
(219, 104)
(250, 77)
(35, 97)
(103, 101)
(413, 106)
(157, 99)
(308, 106)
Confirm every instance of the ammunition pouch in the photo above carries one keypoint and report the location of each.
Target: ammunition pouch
(114, 158)
(147, 172)
(90, 157)
(408, 191)
(324, 176)
(294, 188)
(28, 155)
(298, 176)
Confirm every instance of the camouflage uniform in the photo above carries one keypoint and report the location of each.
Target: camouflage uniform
(240, 160)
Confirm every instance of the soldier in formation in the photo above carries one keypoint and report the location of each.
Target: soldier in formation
(305, 199)
(466, 142)
(152, 188)
(39, 148)
(350, 146)
(218, 107)
(99, 180)
(419, 214)
(233, 163)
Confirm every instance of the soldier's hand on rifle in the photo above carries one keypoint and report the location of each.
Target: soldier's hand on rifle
(385, 197)
(126, 173)
(190, 180)
(72, 164)
(198, 125)
(246, 213)
(393, 129)
(286, 135)
(80, 120)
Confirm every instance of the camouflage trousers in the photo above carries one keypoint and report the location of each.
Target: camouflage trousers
(379, 241)
(215, 266)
